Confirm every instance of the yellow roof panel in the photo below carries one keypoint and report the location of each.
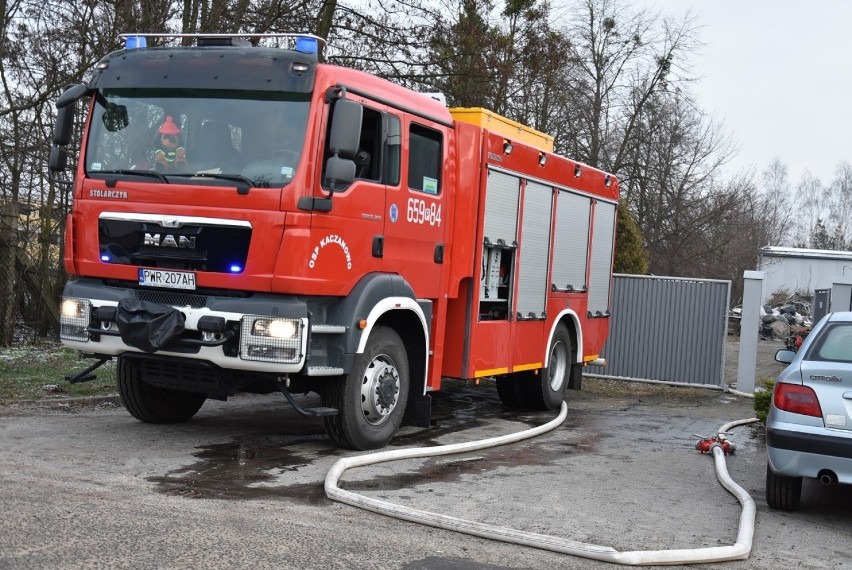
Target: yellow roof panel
(508, 128)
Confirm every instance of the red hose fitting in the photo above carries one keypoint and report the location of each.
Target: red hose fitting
(705, 444)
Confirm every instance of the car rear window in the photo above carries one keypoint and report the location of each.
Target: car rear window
(834, 344)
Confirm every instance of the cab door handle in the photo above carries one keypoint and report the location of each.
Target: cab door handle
(439, 253)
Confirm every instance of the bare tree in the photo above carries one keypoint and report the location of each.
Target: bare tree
(623, 57)
(809, 205)
(776, 204)
(671, 184)
(839, 205)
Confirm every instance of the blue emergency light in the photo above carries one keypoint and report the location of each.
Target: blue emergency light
(306, 44)
(134, 42)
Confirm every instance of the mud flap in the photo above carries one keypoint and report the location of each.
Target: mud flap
(148, 326)
(575, 382)
(418, 411)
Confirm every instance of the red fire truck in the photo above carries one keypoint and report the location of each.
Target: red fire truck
(247, 219)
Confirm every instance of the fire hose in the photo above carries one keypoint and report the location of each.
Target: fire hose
(737, 551)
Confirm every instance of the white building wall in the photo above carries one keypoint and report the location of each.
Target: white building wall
(795, 269)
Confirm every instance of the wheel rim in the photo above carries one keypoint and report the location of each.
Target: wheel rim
(379, 390)
(558, 365)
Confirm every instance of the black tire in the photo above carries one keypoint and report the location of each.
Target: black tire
(782, 492)
(371, 399)
(510, 391)
(546, 390)
(152, 404)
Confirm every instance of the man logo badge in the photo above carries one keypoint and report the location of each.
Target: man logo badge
(182, 242)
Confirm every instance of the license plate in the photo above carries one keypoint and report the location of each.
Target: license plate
(171, 279)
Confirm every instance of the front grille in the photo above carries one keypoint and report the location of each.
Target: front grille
(172, 252)
(217, 248)
(172, 298)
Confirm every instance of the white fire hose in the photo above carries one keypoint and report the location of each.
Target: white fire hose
(738, 551)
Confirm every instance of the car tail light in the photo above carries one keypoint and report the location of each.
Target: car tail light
(796, 399)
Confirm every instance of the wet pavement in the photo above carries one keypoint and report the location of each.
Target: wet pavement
(242, 485)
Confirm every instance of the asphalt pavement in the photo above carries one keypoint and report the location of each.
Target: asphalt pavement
(85, 485)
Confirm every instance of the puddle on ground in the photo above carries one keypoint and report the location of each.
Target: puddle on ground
(248, 468)
(253, 466)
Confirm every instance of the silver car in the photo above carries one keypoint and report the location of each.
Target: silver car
(809, 427)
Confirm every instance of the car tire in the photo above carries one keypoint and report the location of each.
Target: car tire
(782, 492)
(153, 404)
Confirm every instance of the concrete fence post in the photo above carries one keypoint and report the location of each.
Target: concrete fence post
(749, 330)
(841, 295)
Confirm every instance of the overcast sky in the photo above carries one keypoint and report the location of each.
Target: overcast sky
(778, 74)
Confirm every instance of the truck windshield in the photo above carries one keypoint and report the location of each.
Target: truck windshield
(223, 135)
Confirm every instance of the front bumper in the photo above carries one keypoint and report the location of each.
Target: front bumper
(239, 342)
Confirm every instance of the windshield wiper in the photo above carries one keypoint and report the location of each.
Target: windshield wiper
(146, 173)
(242, 187)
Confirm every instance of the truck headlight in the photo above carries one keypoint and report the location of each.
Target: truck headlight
(74, 318)
(271, 339)
(283, 329)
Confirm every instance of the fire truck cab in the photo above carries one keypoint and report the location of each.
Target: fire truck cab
(247, 219)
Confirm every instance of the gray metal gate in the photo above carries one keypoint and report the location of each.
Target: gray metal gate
(667, 329)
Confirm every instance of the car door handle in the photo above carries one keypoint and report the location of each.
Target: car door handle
(847, 395)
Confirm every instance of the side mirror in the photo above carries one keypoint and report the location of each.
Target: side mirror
(58, 160)
(65, 113)
(338, 172)
(785, 356)
(345, 128)
(71, 94)
(64, 124)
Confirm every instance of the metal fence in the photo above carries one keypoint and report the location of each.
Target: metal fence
(667, 329)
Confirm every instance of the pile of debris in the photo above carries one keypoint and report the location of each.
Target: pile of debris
(784, 317)
(783, 321)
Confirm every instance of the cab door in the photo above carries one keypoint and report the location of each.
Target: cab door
(416, 206)
(344, 233)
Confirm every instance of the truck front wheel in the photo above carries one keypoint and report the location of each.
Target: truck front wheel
(152, 404)
(371, 399)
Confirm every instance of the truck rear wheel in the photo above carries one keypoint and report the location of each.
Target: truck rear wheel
(371, 399)
(546, 390)
(152, 404)
(510, 390)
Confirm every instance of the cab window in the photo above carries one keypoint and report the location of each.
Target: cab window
(424, 159)
(393, 150)
(379, 143)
